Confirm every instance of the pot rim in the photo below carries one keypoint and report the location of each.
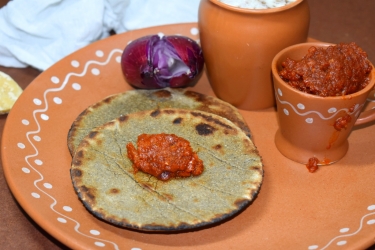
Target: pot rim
(255, 11)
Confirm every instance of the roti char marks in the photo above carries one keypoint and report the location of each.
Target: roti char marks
(133, 101)
(164, 156)
(103, 176)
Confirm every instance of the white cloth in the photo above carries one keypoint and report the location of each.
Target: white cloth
(40, 33)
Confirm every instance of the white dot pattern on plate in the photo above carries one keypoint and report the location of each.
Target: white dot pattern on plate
(94, 232)
(26, 170)
(62, 220)
(44, 117)
(38, 162)
(309, 120)
(344, 230)
(95, 66)
(75, 64)
(341, 243)
(21, 145)
(76, 86)
(67, 209)
(57, 100)
(99, 53)
(36, 101)
(95, 71)
(91, 66)
(66, 81)
(35, 195)
(55, 79)
(99, 244)
(194, 31)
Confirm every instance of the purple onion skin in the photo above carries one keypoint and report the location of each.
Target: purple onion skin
(151, 62)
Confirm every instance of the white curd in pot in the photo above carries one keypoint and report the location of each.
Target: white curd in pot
(257, 4)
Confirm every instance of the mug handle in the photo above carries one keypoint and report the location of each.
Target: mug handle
(368, 115)
(365, 117)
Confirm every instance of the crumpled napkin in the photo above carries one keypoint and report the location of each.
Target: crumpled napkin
(40, 33)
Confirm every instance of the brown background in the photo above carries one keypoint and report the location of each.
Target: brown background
(331, 21)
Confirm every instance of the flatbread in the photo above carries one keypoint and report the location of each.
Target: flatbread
(139, 100)
(105, 182)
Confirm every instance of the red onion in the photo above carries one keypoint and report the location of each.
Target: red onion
(171, 61)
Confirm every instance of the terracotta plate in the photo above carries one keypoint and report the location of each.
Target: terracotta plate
(333, 208)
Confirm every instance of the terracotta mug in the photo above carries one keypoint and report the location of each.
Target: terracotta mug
(239, 45)
(306, 121)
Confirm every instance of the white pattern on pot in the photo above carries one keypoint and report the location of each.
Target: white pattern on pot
(333, 111)
(300, 106)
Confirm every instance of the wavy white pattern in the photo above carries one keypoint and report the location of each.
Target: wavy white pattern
(31, 159)
(35, 163)
(332, 110)
(344, 230)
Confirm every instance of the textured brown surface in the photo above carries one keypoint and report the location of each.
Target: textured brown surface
(138, 100)
(331, 21)
(231, 178)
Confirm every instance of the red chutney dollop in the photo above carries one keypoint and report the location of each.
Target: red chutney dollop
(312, 164)
(342, 122)
(164, 156)
(333, 71)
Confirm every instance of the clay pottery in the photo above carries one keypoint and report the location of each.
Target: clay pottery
(239, 45)
(306, 121)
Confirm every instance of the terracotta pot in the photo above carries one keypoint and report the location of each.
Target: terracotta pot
(239, 44)
(306, 121)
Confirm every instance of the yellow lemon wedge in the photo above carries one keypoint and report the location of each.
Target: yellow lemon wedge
(9, 92)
